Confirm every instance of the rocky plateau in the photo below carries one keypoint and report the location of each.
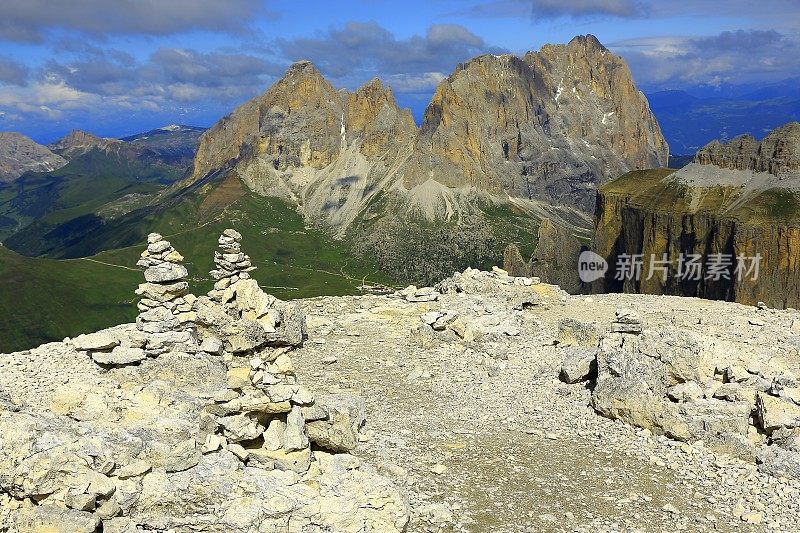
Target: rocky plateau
(736, 199)
(487, 402)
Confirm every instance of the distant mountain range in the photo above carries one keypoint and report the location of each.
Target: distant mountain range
(335, 188)
(690, 119)
(332, 188)
(82, 178)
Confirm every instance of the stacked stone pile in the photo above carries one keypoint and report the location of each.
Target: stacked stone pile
(238, 313)
(265, 417)
(125, 437)
(499, 318)
(165, 310)
(268, 419)
(120, 345)
(473, 281)
(232, 264)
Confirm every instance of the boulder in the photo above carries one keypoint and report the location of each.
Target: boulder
(775, 413)
(640, 377)
(182, 457)
(778, 462)
(338, 432)
(52, 519)
(119, 356)
(685, 392)
(102, 340)
(165, 272)
(580, 364)
(573, 332)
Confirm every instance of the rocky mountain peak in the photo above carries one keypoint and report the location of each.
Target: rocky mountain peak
(78, 140)
(587, 42)
(20, 154)
(303, 66)
(778, 153)
(549, 126)
(545, 130)
(374, 118)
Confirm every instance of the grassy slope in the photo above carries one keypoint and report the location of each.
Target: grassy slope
(40, 210)
(46, 299)
(654, 190)
(294, 261)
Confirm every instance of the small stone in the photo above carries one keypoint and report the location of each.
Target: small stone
(753, 517)
(239, 377)
(102, 340)
(211, 345)
(233, 234)
(109, 509)
(134, 469)
(669, 508)
(273, 436)
(183, 457)
(439, 469)
(119, 356)
(80, 502)
(213, 443)
(239, 451)
(165, 273)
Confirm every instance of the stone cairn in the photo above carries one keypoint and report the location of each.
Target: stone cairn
(232, 264)
(166, 308)
(264, 416)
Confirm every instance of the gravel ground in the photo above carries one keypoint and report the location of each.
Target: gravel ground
(485, 437)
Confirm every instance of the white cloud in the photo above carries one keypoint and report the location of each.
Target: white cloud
(734, 57)
(415, 83)
(30, 20)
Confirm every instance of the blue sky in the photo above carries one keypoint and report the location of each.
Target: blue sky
(121, 67)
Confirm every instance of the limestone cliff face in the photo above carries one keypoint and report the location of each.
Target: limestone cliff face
(19, 154)
(548, 127)
(552, 125)
(303, 122)
(306, 142)
(705, 209)
(372, 115)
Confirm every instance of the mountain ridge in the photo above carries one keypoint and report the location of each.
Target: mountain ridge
(20, 154)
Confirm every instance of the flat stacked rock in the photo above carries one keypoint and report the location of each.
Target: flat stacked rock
(232, 264)
(238, 312)
(165, 310)
(627, 321)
